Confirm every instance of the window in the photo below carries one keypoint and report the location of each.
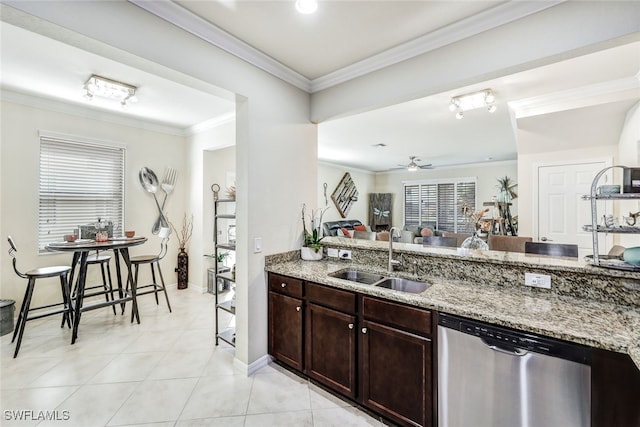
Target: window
(80, 182)
(438, 203)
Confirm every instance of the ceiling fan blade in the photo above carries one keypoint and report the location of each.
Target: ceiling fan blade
(427, 166)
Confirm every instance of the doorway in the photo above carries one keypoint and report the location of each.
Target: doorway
(561, 211)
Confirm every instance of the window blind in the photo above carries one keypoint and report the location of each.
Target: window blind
(439, 204)
(79, 183)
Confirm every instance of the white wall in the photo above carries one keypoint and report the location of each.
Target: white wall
(563, 31)
(629, 155)
(219, 168)
(275, 141)
(331, 175)
(209, 163)
(527, 164)
(622, 152)
(485, 174)
(20, 148)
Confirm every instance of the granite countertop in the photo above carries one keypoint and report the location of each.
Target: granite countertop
(493, 257)
(598, 324)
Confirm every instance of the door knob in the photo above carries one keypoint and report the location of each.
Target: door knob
(284, 285)
(544, 239)
(298, 308)
(364, 330)
(350, 325)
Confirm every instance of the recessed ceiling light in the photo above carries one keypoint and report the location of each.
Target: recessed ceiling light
(306, 7)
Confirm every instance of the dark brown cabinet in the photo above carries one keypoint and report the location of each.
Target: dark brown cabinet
(330, 338)
(396, 362)
(331, 348)
(375, 352)
(615, 390)
(286, 313)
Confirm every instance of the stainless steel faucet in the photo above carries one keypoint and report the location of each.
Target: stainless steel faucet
(393, 262)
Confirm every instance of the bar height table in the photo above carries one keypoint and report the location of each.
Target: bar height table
(81, 249)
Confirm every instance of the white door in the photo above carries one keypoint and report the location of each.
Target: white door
(561, 211)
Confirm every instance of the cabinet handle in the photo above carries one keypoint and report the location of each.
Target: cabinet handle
(350, 325)
(284, 285)
(298, 308)
(364, 330)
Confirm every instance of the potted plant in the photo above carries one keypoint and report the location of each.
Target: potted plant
(506, 190)
(311, 248)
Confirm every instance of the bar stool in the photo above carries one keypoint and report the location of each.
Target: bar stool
(25, 309)
(152, 260)
(106, 289)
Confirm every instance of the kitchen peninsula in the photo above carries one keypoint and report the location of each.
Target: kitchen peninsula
(587, 305)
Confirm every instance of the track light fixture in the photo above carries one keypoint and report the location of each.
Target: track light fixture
(484, 98)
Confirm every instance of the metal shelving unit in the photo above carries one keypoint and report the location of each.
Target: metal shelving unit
(227, 335)
(597, 258)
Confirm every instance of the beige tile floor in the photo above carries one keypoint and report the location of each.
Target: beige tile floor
(164, 372)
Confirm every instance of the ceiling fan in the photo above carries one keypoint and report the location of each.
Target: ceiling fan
(413, 165)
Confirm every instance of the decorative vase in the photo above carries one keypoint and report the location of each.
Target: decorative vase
(310, 254)
(475, 242)
(183, 269)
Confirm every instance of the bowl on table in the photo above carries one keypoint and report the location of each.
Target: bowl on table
(129, 233)
(70, 237)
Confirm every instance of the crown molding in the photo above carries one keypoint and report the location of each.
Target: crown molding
(89, 112)
(580, 97)
(476, 24)
(484, 21)
(192, 23)
(210, 124)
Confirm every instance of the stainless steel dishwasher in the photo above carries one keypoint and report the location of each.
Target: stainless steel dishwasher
(491, 376)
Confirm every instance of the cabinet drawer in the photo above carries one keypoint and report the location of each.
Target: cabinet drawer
(398, 315)
(285, 285)
(333, 298)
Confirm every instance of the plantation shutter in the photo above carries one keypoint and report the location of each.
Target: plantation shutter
(466, 195)
(412, 204)
(446, 207)
(429, 203)
(79, 183)
(439, 204)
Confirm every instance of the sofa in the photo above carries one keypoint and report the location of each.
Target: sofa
(413, 233)
(330, 228)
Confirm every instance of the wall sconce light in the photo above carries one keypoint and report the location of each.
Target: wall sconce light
(110, 89)
(484, 98)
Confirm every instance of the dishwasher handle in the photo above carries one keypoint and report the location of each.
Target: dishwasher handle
(500, 347)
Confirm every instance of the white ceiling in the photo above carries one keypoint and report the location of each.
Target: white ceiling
(340, 36)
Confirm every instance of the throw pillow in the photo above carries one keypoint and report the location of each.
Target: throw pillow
(360, 227)
(426, 232)
(345, 232)
(383, 236)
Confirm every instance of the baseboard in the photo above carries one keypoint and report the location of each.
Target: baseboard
(253, 367)
(190, 287)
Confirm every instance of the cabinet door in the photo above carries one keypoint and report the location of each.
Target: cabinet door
(285, 329)
(615, 390)
(331, 348)
(396, 374)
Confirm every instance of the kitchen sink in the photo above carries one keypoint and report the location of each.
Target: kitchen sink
(357, 276)
(403, 285)
(395, 283)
